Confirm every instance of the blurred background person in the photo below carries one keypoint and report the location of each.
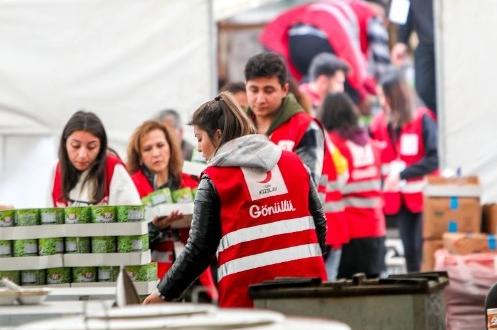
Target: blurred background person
(327, 74)
(237, 90)
(408, 137)
(171, 117)
(365, 252)
(420, 20)
(86, 172)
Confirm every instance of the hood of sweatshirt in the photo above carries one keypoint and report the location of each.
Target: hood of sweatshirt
(254, 151)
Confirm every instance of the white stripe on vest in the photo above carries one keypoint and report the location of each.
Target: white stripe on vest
(265, 230)
(268, 258)
(362, 186)
(361, 202)
(335, 206)
(412, 187)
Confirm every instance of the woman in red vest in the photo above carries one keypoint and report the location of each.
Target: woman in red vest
(257, 211)
(365, 252)
(87, 173)
(155, 161)
(408, 137)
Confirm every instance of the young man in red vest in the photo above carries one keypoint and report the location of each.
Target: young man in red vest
(278, 115)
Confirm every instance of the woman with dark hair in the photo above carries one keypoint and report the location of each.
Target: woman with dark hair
(155, 161)
(365, 252)
(409, 137)
(87, 173)
(256, 211)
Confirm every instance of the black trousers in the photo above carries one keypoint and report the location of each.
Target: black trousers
(363, 255)
(410, 226)
(424, 75)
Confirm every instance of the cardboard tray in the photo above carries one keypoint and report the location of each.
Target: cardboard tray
(163, 210)
(106, 259)
(74, 230)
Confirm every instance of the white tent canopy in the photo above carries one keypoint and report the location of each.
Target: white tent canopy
(122, 59)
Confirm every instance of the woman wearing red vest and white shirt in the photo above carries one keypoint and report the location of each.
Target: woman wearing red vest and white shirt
(365, 253)
(87, 173)
(408, 137)
(155, 160)
(256, 210)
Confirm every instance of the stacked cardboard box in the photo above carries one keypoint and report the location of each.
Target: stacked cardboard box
(450, 205)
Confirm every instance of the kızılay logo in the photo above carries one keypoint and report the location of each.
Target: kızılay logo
(257, 211)
(263, 184)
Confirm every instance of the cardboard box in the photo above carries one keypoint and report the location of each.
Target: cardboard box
(462, 244)
(429, 249)
(451, 205)
(489, 219)
(35, 262)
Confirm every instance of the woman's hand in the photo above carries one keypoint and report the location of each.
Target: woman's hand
(392, 182)
(164, 222)
(153, 298)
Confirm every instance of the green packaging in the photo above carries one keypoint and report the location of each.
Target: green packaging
(25, 247)
(130, 213)
(77, 215)
(142, 273)
(27, 217)
(13, 275)
(50, 246)
(103, 214)
(107, 273)
(59, 275)
(5, 249)
(7, 218)
(132, 243)
(183, 195)
(33, 277)
(84, 274)
(160, 196)
(103, 244)
(77, 245)
(52, 216)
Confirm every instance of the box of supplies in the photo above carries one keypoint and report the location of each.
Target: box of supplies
(451, 205)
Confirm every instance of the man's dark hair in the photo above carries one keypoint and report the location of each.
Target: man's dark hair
(266, 65)
(326, 64)
(234, 87)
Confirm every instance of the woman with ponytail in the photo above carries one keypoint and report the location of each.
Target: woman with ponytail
(256, 211)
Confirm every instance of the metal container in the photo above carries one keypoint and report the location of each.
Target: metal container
(402, 302)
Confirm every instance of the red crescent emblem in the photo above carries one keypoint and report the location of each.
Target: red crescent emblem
(267, 178)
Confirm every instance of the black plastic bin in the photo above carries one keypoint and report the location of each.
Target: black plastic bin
(402, 302)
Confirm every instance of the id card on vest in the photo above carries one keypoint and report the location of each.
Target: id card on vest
(262, 184)
(361, 155)
(409, 144)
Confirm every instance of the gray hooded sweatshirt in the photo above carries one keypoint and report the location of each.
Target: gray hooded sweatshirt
(253, 151)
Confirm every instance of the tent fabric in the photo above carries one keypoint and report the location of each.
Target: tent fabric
(123, 59)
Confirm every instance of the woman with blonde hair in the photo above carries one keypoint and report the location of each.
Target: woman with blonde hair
(155, 161)
(256, 211)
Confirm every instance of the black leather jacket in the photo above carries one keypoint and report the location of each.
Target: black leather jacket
(205, 234)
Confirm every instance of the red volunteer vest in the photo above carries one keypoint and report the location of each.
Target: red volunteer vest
(407, 150)
(288, 137)
(362, 193)
(267, 230)
(164, 251)
(58, 198)
(330, 19)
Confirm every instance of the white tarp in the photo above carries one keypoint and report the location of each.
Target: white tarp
(122, 59)
(467, 69)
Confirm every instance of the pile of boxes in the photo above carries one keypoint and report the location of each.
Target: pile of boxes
(453, 219)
